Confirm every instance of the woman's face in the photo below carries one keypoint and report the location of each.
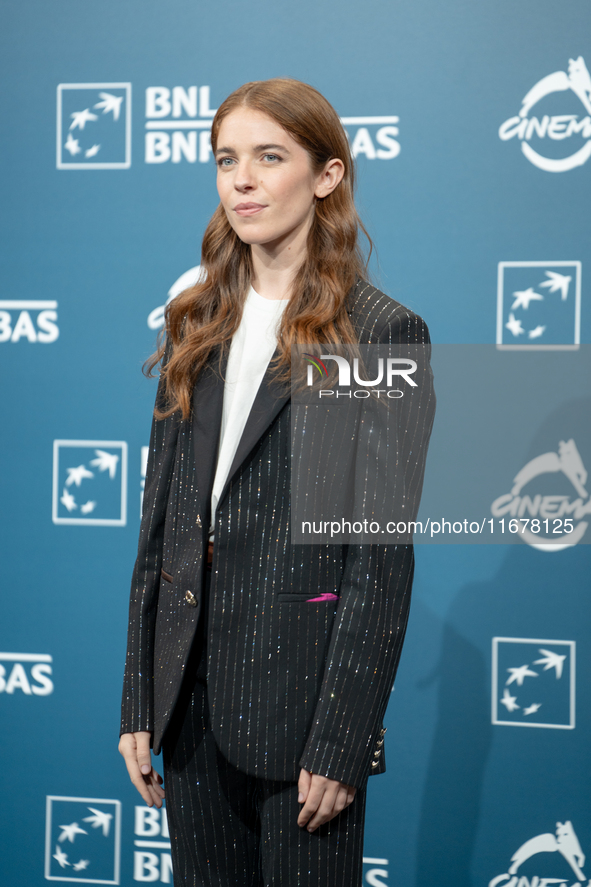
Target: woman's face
(265, 180)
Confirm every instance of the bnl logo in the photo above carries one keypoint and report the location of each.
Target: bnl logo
(82, 840)
(90, 482)
(151, 858)
(538, 305)
(93, 126)
(533, 683)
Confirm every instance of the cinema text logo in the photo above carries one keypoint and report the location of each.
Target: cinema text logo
(27, 673)
(187, 279)
(548, 522)
(178, 128)
(395, 368)
(528, 871)
(30, 320)
(555, 127)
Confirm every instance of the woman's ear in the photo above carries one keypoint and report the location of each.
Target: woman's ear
(330, 177)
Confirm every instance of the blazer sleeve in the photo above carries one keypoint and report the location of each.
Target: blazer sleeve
(138, 696)
(372, 612)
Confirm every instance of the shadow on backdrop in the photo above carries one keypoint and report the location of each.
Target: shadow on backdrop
(535, 594)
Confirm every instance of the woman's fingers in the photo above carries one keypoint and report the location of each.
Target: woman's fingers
(144, 757)
(156, 792)
(135, 748)
(304, 785)
(325, 809)
(340, 801)
(313, 800)
(326, 799)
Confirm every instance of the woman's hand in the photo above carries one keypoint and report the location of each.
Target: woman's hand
(322, 798)
(135, 748)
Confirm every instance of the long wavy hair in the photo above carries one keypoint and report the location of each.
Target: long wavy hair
(208, 314)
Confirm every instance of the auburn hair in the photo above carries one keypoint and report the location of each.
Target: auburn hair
(208, 314)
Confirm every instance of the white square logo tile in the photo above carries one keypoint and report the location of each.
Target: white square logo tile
(90, 482)
(538, 305)
(93, 126)
(82, 840)
(533, 683)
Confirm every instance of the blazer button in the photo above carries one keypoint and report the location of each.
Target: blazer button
(383, 730)
(190, 599)
(375, 763)
(198, 520)
(377, 752)
(379, 743)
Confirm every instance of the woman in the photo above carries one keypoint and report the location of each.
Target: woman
(263, 669)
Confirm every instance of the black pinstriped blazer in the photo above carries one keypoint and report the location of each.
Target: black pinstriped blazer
(291, 683)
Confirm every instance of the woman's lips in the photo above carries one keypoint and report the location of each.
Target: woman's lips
(248, 209)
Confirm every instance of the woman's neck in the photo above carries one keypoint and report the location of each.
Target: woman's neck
(274, 268)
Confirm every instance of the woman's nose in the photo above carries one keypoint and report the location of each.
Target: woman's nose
(244, 180)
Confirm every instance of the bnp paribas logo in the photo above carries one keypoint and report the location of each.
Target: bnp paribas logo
(93, 126)
(90, 483)
(82, 840)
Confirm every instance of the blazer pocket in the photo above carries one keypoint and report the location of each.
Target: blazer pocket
(309, 597)
(166, 576)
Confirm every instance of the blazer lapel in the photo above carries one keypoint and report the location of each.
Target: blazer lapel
(270, 399)
(208, 398)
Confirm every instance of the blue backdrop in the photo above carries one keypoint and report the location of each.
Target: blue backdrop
(471, 123)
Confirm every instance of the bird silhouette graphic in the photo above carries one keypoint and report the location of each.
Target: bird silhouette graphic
(510, 702)
(69, 832)
(524, 297)
(110, 103)
(99, 819)
(551, 660)
(81, 118)
(557, 282)
(536, 332)
(532, 709)
(519, 675)
(106, 462)
(72, 145)
(68, 500)
(81, 865)
(61, 857)
(77, 475)
(514, 325)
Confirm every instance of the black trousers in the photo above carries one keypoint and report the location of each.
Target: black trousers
(229, 829)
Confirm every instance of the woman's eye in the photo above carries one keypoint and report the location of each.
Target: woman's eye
(225, 161)
(271, 157)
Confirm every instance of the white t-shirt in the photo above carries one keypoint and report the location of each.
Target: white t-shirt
(252, 347)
